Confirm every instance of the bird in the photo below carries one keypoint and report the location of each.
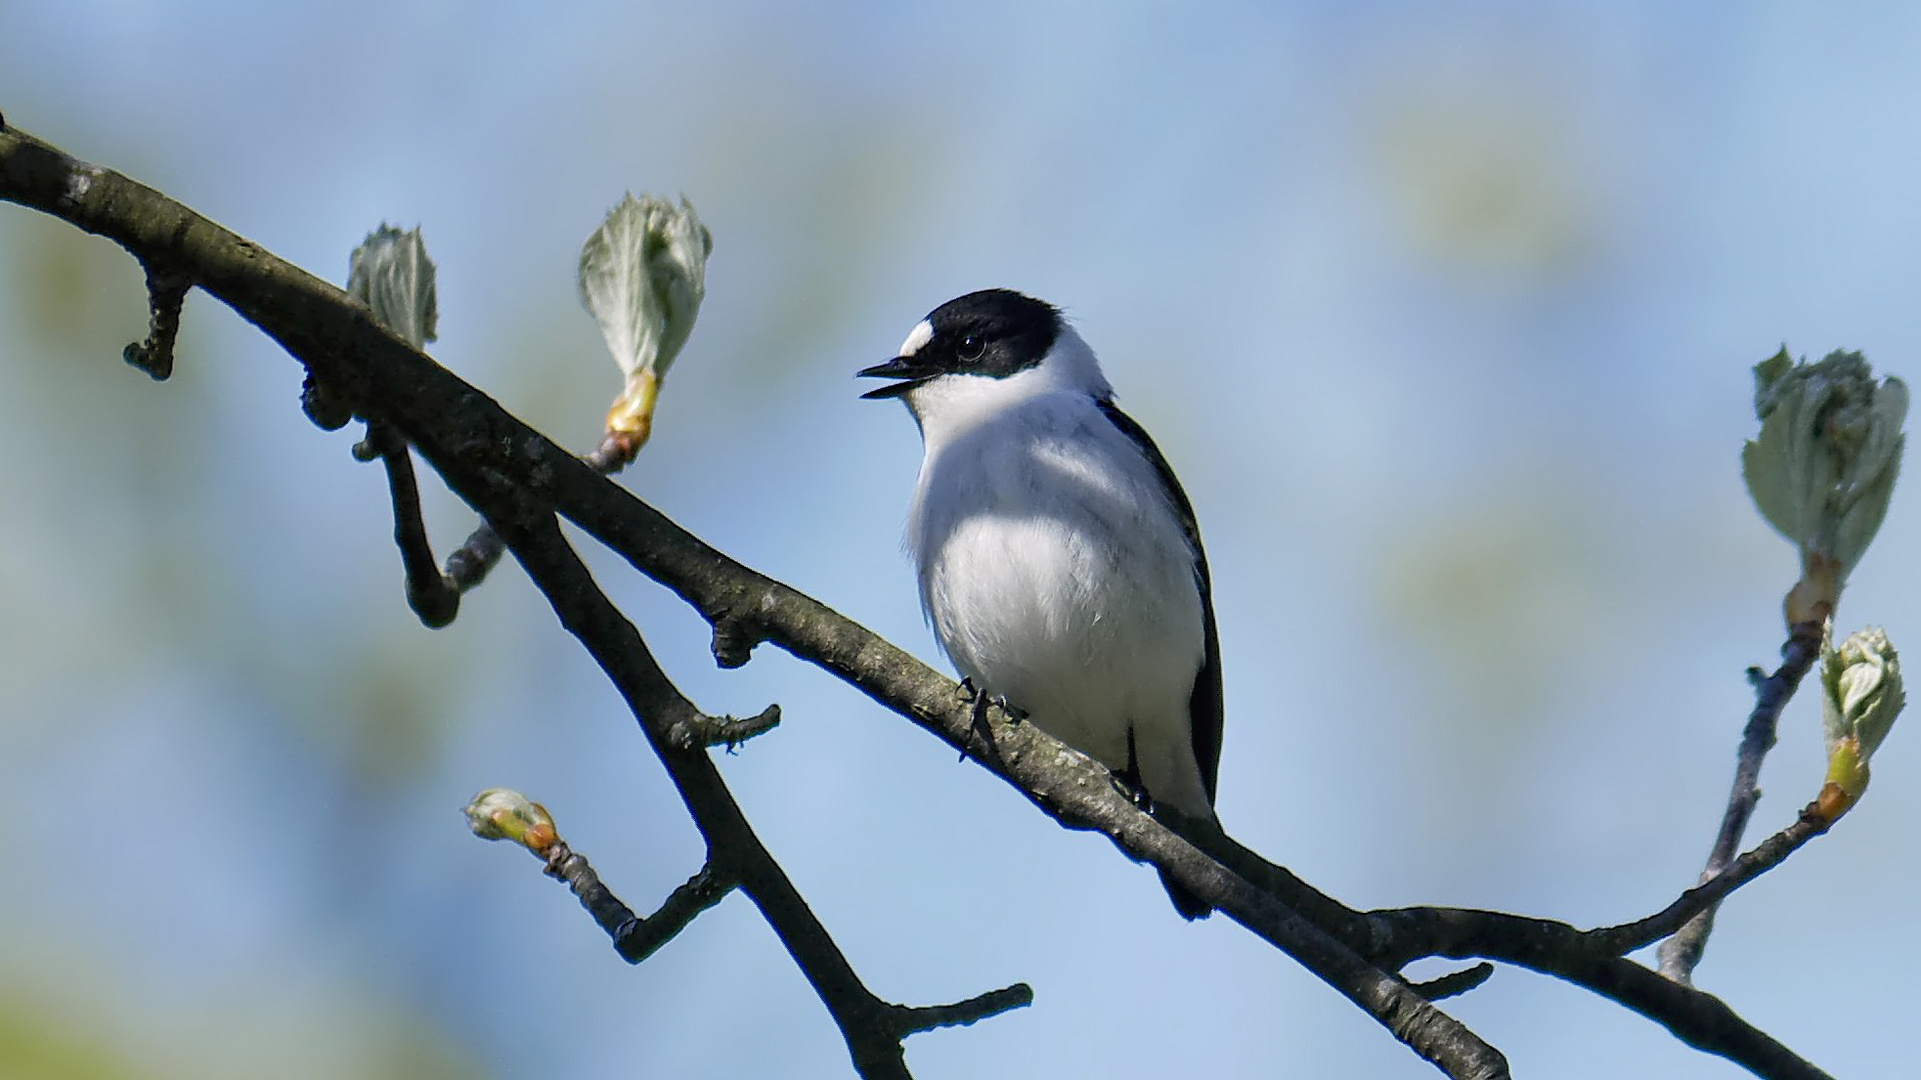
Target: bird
(1059, 560)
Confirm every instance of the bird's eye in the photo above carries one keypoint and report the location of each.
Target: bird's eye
(972, 347)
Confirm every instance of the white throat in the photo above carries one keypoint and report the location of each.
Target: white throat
(949, 406)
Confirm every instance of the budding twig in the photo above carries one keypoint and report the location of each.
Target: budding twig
(1681, 953)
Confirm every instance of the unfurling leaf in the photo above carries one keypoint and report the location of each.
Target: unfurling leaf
(1861, 694)
(643, 274)
(392, 275)
(505, 814)
(1823, 467)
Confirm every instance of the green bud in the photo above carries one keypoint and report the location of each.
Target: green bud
(392, 275)
(643, 274)
(1861, 694)
(1823, 467)
(504, 814)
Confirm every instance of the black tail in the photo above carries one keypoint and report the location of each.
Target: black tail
(1189, 905)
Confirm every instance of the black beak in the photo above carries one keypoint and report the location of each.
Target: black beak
(900, 367)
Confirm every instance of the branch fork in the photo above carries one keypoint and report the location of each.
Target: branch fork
(517, 481)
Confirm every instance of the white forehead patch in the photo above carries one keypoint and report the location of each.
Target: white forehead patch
(922, 333)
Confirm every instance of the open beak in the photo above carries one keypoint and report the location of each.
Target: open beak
(903, 368)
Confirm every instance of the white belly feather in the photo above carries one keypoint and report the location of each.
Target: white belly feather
(1056, 574)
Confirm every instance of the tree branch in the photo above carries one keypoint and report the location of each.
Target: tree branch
(1697, 1018)
(735, 852)
(434, 597)
(166, 292)
(1766, 855)
(472, 561)
(913, 1019)
(517, 479)
(1682, 952)
(635, 938)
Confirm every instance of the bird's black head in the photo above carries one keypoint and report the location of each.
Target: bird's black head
(994, 332)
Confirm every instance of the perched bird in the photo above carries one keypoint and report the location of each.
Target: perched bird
(1059, 560)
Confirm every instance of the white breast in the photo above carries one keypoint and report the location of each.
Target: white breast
(1056, 574)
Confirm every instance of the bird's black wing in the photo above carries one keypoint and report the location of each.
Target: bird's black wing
(1205, 708)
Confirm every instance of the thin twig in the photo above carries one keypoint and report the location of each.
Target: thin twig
(536, 541)
(701, 730)
(609, 911)
(1681, 953)
(434, 598)
(1770, 853)
(470, 563)
(480, 447)
(1697, 1018)
(640, 939)
(166, 292)
(434, 595)
(635, 938)
(1455, 982)
(913, 1019)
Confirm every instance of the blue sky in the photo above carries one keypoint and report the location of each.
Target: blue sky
(1444, 314)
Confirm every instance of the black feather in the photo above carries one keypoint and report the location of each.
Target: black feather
(1206, 712)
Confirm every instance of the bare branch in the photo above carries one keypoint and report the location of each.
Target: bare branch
(505, 814)
(735, 850)
(1682, 952)
(1455, 982)
(474, 559)
(516, 479)
(434, 598)
(166, 292)
(1770, 853)
(636, 939)
(702, 730)
(1699, 1019)
(918, 1018)
(1393, 938)
(640, 938)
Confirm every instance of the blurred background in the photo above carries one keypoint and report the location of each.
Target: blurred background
(1444, 313)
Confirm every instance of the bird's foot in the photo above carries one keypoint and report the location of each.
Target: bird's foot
(979, 701)
(1128, 783)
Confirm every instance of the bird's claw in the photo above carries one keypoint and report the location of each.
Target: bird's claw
(1133, 791)
(979, 701)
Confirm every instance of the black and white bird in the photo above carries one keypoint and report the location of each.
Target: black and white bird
(1059, 560)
